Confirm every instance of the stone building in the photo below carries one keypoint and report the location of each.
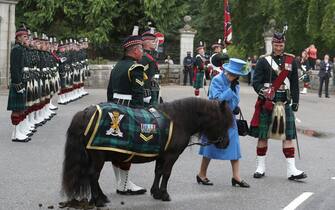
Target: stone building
(7, 33)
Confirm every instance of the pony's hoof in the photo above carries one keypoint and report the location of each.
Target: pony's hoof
(98, 202)
(166, 197)
(156, 194)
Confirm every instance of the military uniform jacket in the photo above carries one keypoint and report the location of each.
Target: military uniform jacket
(150, 67)
(17, 64)
(200, 62)
(264, 74)
(16, 100)
(127, 77)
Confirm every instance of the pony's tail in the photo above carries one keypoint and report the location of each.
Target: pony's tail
(75, 179)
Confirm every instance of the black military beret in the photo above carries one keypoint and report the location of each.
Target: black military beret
(278, 37)
(148, 35)
(131, 41)
(22, 30)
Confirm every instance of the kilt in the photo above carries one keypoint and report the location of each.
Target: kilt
(199, 80)
(262, 131)
(16, 101)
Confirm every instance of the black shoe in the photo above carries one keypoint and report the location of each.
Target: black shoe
(258, 175)
(242, 183)
(327, 97)
(132, 192)
(297, 177)
(204, 181)
(23, 140)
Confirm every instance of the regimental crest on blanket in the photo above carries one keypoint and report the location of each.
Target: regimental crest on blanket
(115, 124)
(142, 132)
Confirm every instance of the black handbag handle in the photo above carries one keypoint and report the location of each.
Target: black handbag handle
(241, 115)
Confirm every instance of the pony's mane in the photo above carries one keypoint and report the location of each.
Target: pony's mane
(192, 104)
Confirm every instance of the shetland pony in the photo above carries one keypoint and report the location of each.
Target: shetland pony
(82, 166)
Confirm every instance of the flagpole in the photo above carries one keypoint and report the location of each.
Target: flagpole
(224, 20)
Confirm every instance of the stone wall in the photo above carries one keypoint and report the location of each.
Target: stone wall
(100, 75)
(7, 35)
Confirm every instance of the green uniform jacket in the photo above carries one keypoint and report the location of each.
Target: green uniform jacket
(127, 77)
(17, 101)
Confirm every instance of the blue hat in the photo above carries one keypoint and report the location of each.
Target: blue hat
(236, 66)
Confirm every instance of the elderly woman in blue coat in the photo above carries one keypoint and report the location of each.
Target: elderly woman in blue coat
(225, 86)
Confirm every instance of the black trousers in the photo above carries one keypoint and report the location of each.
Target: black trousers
(188, 73)
(326, 81)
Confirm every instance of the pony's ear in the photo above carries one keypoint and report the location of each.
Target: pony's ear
(223, 105)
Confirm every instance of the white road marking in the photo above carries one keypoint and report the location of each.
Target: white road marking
(296, 202)
(333, 177)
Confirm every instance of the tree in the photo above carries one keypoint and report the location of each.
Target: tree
(104, 22)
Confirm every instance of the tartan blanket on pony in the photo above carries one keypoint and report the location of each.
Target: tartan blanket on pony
(142, 132)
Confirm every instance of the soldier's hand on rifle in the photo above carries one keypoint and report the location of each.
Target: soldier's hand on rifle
(295, 107)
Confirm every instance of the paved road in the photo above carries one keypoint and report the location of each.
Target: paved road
(30, 172)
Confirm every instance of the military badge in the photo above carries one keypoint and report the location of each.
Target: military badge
(288, 66)
(114, 130)
(148, 128)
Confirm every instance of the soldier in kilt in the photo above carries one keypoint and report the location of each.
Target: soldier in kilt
(276, 83)
(126, 87)
(62, 72)
(199, 69)
(151, 86)
(17, 91)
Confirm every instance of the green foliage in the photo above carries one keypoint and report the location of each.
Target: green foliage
(98, 19)
(234, 51)
(106, 22)
(166, 14)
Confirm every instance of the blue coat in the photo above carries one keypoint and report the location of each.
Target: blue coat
(220, 90)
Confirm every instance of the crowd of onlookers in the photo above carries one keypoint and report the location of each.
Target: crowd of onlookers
(325, 67)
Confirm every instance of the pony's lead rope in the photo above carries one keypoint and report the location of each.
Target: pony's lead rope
(204, 144)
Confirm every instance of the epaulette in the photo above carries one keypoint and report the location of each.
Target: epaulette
(132, 67)
(288, 54)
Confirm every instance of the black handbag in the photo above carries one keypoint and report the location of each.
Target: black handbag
(242, 125)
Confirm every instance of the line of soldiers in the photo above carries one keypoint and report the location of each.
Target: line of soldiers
(39, 69)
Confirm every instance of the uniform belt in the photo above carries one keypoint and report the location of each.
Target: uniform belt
(122, 96)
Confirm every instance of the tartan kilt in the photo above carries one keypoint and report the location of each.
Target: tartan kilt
(262, 131)
(199, 80)
(16, 101)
